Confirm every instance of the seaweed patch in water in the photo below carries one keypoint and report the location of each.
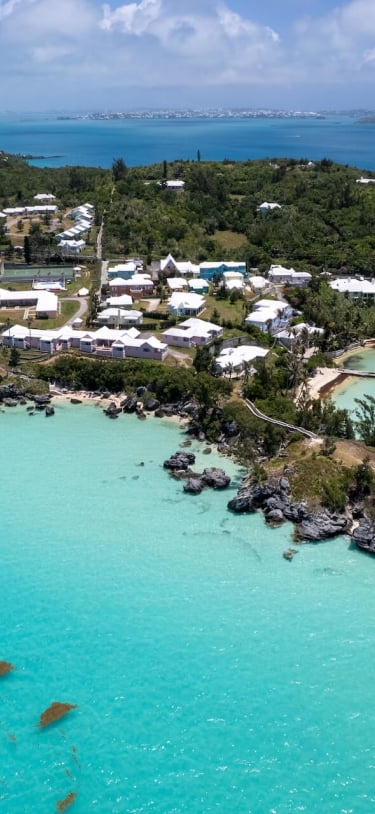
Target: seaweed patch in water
(54, 712)
(62, 805)
(5, 668)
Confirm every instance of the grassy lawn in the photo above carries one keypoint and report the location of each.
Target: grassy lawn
(16, 317)
(226, 309)
(230, 240)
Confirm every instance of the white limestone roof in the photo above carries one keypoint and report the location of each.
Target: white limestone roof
(272, 305)
(196, 284)
(185, 300)
(234, 284)
(176, 283)
(46, 300)
(353, 285)
(257, 281)
(200, 324)
(123, 300)
(44, 196)
(269, 205)
(237, 356)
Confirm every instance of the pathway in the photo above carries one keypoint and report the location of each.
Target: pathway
(257, 413)
(81, 311)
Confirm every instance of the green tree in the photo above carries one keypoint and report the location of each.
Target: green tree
(119, 169)
(365, 419)
(14, 357)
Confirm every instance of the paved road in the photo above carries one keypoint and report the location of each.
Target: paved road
(81, 311)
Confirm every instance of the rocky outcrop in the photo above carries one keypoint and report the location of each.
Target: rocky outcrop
(112, 411)
(49, 410)
(364, 535)
(130, 404)
(215, 478)
(275, 500)
(322, 525)
(180, 460)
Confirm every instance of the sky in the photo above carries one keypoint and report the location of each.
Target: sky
(78, 55)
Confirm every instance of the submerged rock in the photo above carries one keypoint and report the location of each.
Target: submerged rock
(193, 486)
(49, 410)
(54, 712)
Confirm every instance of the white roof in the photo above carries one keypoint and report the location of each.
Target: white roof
(234, 284)
(195, 284)
(130, 265)
(175, 184)
(176, 283)
(45, 300)
(272, 305)
(137, 279)
(295, 330)
(353, 285)
(233, 275)
(121, 314)
(237, 356)
(229, 264)
(258, 281)
(186, 300)
(83, 292)
(182, 266)
(365, 180)
(266, 205)
(44, 196)
(123, 300)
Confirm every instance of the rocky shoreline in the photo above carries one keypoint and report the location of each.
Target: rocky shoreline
(275, 500)
(274, 497)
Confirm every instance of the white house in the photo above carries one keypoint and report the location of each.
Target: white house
(125, 270)
(191, 333)
(44, 196)
(182, 267)
(186, 304)
(177, 283)
(45, 303)
(257, 282)
(289, 336)
(269, 315)
(116, 317)
(266, 207)
(72, 246)
(365, 180)
(356, 288)
(124, 301)
(234, 359)
(174, 183)
(283, 276)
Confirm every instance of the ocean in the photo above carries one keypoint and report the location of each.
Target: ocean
(210, 675)
(147, 141)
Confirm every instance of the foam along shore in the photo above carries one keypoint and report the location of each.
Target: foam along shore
(325, 380)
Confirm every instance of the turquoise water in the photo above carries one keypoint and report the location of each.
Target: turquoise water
(356, 387)
(146, 141)
(210, 674)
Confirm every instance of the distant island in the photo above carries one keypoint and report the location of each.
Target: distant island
(215, 113)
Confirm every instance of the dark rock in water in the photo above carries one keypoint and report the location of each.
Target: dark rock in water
(75, 401)
(152, 405)
(275, 516)
(201, 436)
(216, 478)
(23, 401)
(193, 486)
(186, 443)
(322, 525)
(112, 411)
(159, 413)
(207, 451)
(30, 408)
(49, 410)
(180, 460)
(364, 535)
(40, 407)
(8, 402)
(130, 405)
(43, 399)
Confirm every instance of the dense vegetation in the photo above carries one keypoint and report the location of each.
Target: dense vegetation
(326, 219)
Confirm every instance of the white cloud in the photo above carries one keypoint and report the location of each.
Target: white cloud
(181, 44)
(132, 18)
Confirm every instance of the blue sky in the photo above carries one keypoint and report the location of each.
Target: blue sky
(85, 54)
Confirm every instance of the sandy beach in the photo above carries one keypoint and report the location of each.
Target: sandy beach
(325, 380)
